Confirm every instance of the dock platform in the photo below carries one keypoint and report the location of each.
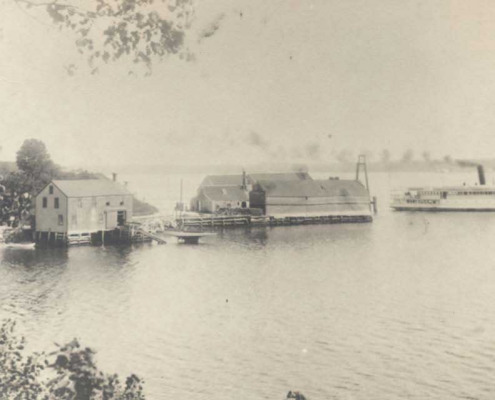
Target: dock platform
(213, 221)
(188, 237)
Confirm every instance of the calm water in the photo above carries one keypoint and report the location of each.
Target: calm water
(400, 308)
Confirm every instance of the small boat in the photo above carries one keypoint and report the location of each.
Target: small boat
(453, 198)
(5, 232)
(26, 246)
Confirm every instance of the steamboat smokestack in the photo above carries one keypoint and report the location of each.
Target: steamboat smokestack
(481, 174)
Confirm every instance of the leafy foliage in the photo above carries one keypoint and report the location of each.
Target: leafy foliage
(36, 169)
(68, 373)
(18, 374)
(142, 30)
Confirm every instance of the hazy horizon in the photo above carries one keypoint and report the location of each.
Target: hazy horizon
(284, 82)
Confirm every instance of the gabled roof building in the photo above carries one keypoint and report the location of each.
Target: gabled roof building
(82, 206)
(311, 198)
(211, 199)
(281, 195)
(218, 192)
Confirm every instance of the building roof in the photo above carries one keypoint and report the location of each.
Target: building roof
(281, 177)
(225, 193)
(90, 188)
(314, 188)
(224, 180)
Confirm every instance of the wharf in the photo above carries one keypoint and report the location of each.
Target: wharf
(221, 221)
(127, 234)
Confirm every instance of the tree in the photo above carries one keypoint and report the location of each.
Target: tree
(69, 372)
(108, 30)
(36, 169)
(385, 156)
(18, 374)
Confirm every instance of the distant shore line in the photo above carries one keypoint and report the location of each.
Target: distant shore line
(318, 167)
(348, 167)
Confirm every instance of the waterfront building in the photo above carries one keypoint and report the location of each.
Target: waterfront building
(214, 198)
(218, 192)
(311, 198)
(81, 207)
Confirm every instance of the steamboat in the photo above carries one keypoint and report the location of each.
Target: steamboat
(452, 198)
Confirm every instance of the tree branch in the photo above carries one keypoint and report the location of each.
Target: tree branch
(30, 3)
(122, 28)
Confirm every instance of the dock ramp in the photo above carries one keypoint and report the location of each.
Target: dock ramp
(152, 236)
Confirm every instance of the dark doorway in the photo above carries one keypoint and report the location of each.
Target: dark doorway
(121, 218)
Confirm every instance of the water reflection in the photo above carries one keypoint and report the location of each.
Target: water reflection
(29, 278)
(48, 287)
(338, 311)
(29, 258)
(300, 236)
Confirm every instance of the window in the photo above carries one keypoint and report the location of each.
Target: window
(56, 202)
(60, 219)
(79, 203)
(50, 189)
(45, 202)
(122, 203)
(108, 203)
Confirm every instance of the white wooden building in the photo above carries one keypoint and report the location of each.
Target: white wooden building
(73, 207)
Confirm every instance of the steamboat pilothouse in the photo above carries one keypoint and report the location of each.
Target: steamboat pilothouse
(451, 198)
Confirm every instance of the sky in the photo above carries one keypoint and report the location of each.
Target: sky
(280, 81)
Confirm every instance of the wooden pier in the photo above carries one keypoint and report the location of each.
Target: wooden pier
(201, 222)
(188, 229)
(128, 234)
(220, 221)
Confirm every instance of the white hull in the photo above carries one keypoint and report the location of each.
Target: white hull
(441, 207)
(479, 198)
